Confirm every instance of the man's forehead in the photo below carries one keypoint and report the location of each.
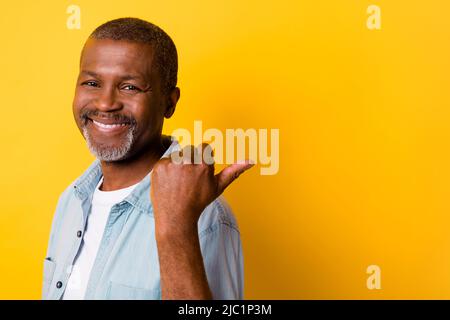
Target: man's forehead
(132, 58)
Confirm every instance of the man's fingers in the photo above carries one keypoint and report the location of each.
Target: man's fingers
(230, 173)
(205, 153)
(177, 157)
(189, 154)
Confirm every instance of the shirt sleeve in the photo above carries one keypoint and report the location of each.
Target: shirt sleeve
(222, 257)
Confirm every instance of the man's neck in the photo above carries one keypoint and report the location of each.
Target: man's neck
(122, 174)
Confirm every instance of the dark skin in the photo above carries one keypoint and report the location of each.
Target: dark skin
(118, 77)
(119, 85)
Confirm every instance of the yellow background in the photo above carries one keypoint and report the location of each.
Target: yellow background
(364, 135)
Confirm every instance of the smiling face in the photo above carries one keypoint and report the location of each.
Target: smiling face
(119, 106)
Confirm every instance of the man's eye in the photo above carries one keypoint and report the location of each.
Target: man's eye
(90, 83)
(130, 87)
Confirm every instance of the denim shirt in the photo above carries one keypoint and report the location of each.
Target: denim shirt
(126, 265)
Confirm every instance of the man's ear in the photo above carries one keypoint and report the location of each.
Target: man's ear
(172, 98)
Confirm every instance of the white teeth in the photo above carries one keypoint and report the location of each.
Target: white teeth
(108, 126)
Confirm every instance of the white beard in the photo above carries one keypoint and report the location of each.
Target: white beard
(107, 153)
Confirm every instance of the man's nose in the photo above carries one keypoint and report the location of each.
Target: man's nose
(107, 100)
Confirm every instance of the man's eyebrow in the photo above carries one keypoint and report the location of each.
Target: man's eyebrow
(132, 77)
(124, 77)
(89, 73)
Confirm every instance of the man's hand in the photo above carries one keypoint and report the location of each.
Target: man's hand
(180, 191)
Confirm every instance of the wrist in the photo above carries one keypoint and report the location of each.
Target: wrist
(175, 230)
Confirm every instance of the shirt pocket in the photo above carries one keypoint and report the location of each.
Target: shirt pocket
(49, 270)
(117, 291)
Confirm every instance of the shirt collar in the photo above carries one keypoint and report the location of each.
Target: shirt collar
(85, 185)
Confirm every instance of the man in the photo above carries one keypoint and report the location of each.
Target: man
(136, 224)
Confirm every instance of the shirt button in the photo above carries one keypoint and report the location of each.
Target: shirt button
(59, 284)
(79, 234)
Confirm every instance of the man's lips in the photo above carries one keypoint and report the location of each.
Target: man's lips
(108, 125)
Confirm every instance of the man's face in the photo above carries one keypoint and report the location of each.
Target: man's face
(118, 105)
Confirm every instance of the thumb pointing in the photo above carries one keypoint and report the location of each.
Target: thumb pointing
(230, 173)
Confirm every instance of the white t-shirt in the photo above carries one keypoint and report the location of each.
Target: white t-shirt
(102, 202)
